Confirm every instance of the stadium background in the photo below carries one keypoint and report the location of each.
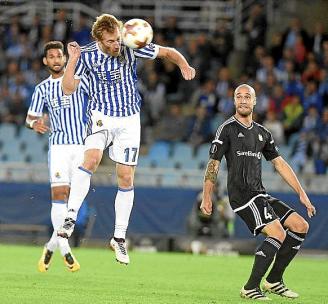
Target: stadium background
(281, 47)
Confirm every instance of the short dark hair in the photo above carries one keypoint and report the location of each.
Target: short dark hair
(52, 45)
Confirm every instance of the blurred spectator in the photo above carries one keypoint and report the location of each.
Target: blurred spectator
(35, 30)
(262, 102)
(171, 29)
(226, 104)
(312, 96)
(293, 31)
(62, 26)
(292, 116)
(276, 48)
(206, 97)
(277, 101)
(301, 151)
(198, 128)
(173, 125)
(223, 83)
(317, 39)
(255, 28)
(83, 33)
(222, 43)
(153, 92)
(275, 127)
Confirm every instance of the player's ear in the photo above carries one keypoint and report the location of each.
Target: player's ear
(65, 58)
(254, 102)
(44, 60)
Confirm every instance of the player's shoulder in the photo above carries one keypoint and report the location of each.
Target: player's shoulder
(229, 123)
(90, 47)
(261, 127)
(226, 126)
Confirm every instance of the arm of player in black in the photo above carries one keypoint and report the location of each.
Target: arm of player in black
(290, 177)
(210, 179)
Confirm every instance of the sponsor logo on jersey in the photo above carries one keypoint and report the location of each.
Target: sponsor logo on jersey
(249, 154)
(260, 137)
(260, 253)
(241, 135)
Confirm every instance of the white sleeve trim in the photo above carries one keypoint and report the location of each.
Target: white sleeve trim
(32, 113)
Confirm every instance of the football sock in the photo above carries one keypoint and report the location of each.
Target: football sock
(80, 185)
(286, 253)
(264, 256)
(123, 206)
(58, 213)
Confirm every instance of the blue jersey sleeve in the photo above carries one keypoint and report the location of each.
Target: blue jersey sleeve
(150, 51)
(37, 103)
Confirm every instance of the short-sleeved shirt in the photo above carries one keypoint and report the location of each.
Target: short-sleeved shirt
(113, 80)
(243, 148)
(67, 114)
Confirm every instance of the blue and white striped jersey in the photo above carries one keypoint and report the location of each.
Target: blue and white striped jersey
(67, 114)
(113, 80)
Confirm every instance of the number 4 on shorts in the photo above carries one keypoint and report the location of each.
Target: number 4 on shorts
(267, 215)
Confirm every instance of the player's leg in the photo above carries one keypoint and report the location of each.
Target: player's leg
(123, 207)
(80, 182)
(264, 255)
(60, 195)
(124, 152)
(297, 227)
(260, 217)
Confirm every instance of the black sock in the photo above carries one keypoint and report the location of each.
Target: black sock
(286, 253)
(263, 258)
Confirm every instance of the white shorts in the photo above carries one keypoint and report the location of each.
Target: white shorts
(120, 134)
(62, 160)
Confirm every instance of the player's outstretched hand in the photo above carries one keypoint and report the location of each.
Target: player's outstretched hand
(40, 127)
(308, 205)
(74, 50)
(206, 207)
(188, 72)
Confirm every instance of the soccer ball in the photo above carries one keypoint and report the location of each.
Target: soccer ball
(137, 33)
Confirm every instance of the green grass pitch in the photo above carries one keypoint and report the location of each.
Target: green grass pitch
(152, 278)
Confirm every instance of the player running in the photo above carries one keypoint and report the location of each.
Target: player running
(243, 142)
(67, 116)
(115, 116)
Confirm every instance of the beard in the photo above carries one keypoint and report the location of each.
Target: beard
(53, 71)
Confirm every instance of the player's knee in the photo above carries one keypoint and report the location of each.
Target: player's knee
(301, 225)
(59, 194)
(280, 234)
(91, 164)
(125, 179)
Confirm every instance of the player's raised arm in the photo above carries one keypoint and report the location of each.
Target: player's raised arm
(177, 58)
(69, 83)
(290, 177)
(210, 178)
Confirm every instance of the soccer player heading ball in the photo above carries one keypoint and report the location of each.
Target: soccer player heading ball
(242, 142)
(115, 119)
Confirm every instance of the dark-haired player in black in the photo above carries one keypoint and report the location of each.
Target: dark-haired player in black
(243, 142)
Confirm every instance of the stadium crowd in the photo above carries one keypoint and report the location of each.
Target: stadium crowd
(289, 74)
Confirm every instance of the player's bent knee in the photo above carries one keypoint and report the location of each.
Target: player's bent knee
(301, 225)
(275, 230)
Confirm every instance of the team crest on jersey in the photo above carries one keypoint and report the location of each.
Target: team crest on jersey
(99, 123)
(260, 137)
(57, 175)
(121, 59)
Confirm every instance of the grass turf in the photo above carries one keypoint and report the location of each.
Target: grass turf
(150, 278)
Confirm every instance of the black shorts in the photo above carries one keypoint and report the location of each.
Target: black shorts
(262, 210)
